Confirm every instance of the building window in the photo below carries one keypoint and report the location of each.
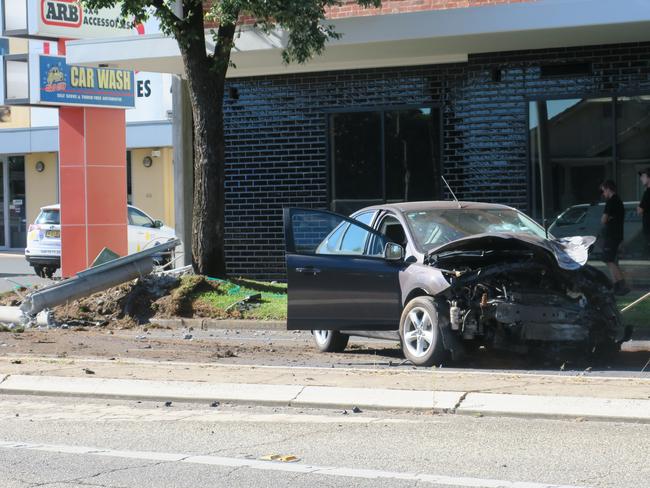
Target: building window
(574, 146)
(384, 156)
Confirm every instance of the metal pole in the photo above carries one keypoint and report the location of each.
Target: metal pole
(183, 165)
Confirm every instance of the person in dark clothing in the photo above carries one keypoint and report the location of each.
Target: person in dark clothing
(644, 208)
(613, 219)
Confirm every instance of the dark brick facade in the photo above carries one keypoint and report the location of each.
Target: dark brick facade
(277, 152)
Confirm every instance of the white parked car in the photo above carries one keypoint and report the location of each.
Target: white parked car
(43, 250)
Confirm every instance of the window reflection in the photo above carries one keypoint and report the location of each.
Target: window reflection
(575, 144)
(384, 156)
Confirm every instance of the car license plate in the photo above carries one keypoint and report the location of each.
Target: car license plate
(53, 234)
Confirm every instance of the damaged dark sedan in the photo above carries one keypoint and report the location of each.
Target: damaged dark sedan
(445, 278)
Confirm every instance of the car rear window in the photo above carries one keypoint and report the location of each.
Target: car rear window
(48, 217)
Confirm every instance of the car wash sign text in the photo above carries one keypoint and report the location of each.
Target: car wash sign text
(62, 84)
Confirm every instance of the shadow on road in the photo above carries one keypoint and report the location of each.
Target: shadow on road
(624, 361)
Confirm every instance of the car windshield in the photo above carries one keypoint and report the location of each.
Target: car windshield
(433, 228)
(48, 217)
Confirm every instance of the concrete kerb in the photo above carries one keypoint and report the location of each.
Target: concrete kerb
(217, 324)
(557, 407)
(609, 409)
(185, 391)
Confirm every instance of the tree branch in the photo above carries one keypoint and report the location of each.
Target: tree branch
(165, 12)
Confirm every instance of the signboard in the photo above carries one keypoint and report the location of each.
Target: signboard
(33, 79)
(67, 19)
(62, 84)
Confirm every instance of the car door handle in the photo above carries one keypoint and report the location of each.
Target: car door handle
(308, 270)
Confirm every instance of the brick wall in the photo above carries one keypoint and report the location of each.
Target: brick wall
(352, 9)
(277, 132)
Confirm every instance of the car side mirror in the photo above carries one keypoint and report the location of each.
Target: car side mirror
(393, 252)
(157, 224)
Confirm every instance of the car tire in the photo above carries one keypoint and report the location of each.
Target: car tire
(39, 270)
(330, 340)
(48, 271)
(419, 331)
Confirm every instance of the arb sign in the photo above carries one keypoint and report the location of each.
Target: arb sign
(67, 19)
(61, 13)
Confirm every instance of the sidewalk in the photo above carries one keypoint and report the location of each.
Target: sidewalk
(438, 391)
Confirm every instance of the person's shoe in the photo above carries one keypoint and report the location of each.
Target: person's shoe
(621, 288)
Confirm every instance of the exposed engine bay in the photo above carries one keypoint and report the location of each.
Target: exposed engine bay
(516, 295)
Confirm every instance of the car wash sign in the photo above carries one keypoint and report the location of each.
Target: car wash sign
(66, 19)
(62, 84)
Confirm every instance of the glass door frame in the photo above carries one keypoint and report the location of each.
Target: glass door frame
(4, 169)
(5, 201)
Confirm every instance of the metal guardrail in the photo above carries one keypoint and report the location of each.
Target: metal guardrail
(85, 283)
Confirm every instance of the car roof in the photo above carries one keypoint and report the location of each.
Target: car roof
(433, 205)
(57, 206)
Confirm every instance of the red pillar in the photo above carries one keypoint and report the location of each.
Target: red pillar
(92, 173)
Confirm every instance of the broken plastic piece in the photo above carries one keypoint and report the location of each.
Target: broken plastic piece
(283, 458)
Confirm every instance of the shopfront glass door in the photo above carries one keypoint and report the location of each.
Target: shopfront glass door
(574, 146)
(13, 220)
(16, 202)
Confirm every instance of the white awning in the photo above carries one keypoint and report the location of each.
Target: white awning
(432, 37)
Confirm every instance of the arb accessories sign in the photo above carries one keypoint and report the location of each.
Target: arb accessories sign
(68, 19)
(61, 84)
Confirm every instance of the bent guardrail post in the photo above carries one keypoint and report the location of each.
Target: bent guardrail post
(85, 283)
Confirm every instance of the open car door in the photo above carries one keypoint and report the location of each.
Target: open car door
(338, 276)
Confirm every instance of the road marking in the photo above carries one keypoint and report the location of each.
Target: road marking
(221, 461)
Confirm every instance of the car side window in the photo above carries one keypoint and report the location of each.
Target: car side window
(331, 244)
(321, 232)
(365, 217)
(393, 230)
(138, 218)
(354, 240)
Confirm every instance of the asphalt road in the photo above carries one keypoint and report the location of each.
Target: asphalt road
(16, 271)
(58, 442)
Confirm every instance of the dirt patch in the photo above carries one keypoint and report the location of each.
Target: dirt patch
(181, 302)
(11, 298)
(136, 303)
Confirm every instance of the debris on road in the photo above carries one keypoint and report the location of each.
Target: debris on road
(168, 404)
(356, 410)
(88, 371)
(283, 458)
(215, 404)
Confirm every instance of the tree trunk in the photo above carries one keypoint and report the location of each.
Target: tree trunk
(206, 87)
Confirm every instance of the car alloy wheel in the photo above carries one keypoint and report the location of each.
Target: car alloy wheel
(330, 340)
(418, 332)
(321, 336)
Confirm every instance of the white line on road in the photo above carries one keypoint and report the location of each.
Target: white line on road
(277, 466)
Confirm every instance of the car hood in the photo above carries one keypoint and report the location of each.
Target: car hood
(570, 253)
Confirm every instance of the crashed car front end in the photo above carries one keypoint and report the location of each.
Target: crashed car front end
(518, 292)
